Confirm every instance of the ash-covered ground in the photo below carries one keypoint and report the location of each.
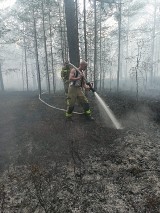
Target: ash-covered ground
(50, 165)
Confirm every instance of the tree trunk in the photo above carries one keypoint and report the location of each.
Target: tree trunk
(127, 42)
(1, 79)
(66, 49)
(136, 69)
(26, 66)
(100, 48)
(85, 33)
(72, 32)
(95, 45)
(25, 56)
(45, 50)
(104, 60)
(36, 55)
(119, 45)
(153, 42)
(22, 71)
(33, 75)
(51, 49)
(61, 35)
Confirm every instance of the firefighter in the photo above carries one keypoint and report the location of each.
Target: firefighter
(65, 76)
(75, 92)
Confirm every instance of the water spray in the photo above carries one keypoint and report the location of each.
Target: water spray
(101, 102)
(108, 111)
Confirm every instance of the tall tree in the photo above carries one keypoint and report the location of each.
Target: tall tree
(127, 41)
(85, 31)
(36, 52)
(119, 42)
(153, 41)
(45, 49)
(1, 78)
(62, 37)
(72, 32)
(25, 55)
(51, 51)
(95, 44)
(100, 46)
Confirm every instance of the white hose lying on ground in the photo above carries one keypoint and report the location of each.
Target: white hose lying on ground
(64, 110)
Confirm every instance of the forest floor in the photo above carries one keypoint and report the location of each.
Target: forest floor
(50, 165)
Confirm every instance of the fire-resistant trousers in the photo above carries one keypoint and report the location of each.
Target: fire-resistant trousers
(66, 85)
(76, 93)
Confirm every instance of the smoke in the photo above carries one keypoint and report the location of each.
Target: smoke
(138, 118)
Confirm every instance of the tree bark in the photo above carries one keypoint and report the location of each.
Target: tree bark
(100, 48)
(85, 33)
(61, 35)
(127, 42)
(1, 78)
(45, 50)
(36, 55)
(119, 45)
(153, 42)
(51, 49)
(72, 32)
(95, 45)
(25, 56)
(22, 71)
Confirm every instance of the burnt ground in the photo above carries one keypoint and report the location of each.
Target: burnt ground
(50, 165)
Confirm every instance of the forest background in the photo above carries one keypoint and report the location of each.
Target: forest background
(119, 40)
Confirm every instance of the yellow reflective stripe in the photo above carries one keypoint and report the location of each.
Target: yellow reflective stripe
(88, 112)
(68, 115)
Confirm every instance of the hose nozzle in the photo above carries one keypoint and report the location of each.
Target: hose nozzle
(91, 88)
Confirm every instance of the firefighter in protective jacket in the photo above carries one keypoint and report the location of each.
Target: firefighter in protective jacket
(75, 91)
(65, 76)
